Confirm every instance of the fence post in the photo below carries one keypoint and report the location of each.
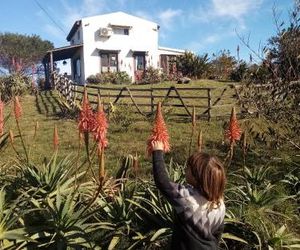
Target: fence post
(209, 104)
(152, 101)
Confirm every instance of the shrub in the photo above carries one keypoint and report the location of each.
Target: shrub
(222, 65)
(15, 84)
(239, 72)
(192, 65)
(123, 115)
(151, 75)
(120, 77)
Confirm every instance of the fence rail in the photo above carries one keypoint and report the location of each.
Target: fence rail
(186, 98)
(145, 99)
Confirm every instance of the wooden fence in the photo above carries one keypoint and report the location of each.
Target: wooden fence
(145, 98)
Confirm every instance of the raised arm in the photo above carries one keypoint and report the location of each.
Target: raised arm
(175, 193)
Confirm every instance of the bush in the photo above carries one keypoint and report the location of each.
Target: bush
(239, 72)
(123, 115)
(192, 65)
(120, 77)
(151, 75)
(222, 65)
(15, 84)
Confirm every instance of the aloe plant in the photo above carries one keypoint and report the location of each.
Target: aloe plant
(12, 232)
(282, 239)
(67, 223)
(45, 178)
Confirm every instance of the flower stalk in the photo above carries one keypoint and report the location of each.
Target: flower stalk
(193, 130)
(18, 113)
(55, 139)
(1, 117)
(86, 125)
(233, 134)
(100, 133)
(199, 141)
(159, 132)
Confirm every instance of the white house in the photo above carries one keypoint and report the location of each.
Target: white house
(112, 42)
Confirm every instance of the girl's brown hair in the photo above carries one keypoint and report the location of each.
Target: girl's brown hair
(209, 175)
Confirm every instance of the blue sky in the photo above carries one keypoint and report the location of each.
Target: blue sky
(202, 26)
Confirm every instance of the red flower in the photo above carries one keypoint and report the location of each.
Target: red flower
(55, 138)
(17, 108)
(233, 133)
(159, 132)
(86, 116)
(101, 126)
(1, 117)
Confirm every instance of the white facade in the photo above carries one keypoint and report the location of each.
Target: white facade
(115, 42)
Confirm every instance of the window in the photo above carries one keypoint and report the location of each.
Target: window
(121, 31)
(140, 62)
(109, 62)
(78, 71)
(78, 35)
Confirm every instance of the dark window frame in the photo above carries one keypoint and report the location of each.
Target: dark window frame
(109, 55)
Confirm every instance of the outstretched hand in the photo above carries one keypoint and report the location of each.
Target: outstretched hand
(157, 145)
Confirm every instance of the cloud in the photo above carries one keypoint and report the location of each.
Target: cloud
(231, 12)
(202, 43)
(87, 8)
(71, 13)
(144, 15)
(166, 17)
(212, 38)
(234, 8)
(53, 31)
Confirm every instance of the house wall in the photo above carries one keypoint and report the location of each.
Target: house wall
(78, 39)
(143, 36)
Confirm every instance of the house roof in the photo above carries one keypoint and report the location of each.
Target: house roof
(77, 23)
(73, 30)
(62, 53)
(170, 51)
(121, 14)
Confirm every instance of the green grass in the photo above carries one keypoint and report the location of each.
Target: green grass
(222, 107)
(45, 109)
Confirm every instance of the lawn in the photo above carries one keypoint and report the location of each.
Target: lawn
(221, 108)
(127, 133)
(255, 201)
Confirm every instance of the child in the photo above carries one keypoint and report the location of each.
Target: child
(199, 205)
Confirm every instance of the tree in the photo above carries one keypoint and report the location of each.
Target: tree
(222, 65)
(19, 53)
(284, 48)
(192, 65)
(277, 97)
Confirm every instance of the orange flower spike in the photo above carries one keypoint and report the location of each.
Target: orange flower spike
(17, 108)
(101, 126)
(1, 117)
(55, 138)
(233, 133)
(159, 132)
(86, 116)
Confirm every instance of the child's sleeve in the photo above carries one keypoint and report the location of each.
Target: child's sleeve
(176, 194)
